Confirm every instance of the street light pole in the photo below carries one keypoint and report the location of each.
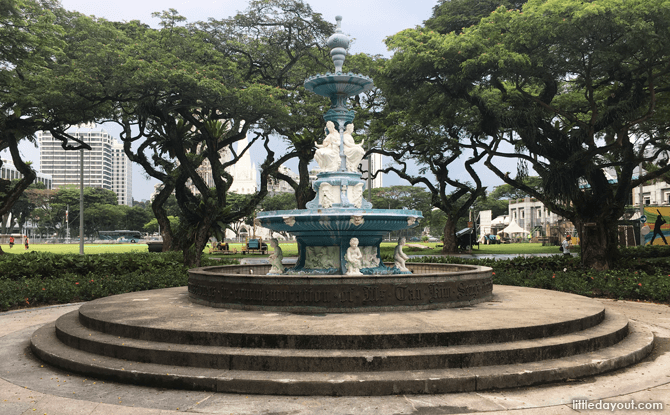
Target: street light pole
(81, 203)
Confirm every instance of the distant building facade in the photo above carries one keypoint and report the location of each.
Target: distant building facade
(654, 194)
(376, 161)
(9, 172)
(281, 186)
(529, 213)
(105, 165)
(245, 176)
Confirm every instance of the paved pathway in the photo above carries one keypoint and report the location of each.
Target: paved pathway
(29, 387)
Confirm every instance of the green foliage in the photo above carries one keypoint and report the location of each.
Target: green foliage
(567, 88)
(152, 225)
(280, 201)
(633, 278)
(43, 278)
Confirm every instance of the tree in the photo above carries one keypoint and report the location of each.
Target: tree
(103, 217)
(457, 15)
(136, 217)
(437, 141)
(39, 86)
(25, 205)
(279, 201)
(405, 197)
(280, 43)
(565, 88)
(101, 211)
(152, 225)
(505, 191)
(184, 103)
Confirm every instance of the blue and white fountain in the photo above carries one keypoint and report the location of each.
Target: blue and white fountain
(339, 232)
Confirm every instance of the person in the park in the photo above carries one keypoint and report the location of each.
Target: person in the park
(566, 245)
(11, 242)
(27, 242)
(657, 228)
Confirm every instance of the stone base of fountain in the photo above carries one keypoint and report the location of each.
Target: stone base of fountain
(518, 337)
(429, 287)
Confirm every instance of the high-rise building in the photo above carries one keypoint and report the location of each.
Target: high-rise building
(105, 165)
(122, 175)
(376, 161)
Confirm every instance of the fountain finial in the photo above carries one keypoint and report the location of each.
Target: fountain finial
(338, 44)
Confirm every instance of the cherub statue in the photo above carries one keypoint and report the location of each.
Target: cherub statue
(354, 258)
(353, 151)
(328, 153)
(399, 256)
(275, 258)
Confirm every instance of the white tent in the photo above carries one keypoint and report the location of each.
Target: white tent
(500, 220)
(514, 228)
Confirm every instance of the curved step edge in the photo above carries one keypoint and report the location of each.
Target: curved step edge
(69, 330)
(632, 349)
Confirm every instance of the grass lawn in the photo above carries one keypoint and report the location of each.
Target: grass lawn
(74, 248)
(290, 249)
(506, 249)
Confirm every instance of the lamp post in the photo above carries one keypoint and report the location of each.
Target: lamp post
(81, 203)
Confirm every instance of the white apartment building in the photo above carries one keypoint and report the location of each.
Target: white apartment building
(122, 175)
(105, 165)
(376, 160)
(9, 172)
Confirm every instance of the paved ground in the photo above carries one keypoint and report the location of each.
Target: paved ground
(29, 387)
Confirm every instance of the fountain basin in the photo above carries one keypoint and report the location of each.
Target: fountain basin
(430, 287)
(324, 227)
(347, 84)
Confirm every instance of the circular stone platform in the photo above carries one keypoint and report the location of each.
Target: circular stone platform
(520, 337)
(430, 286)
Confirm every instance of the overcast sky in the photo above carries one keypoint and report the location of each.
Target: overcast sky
(369, 22)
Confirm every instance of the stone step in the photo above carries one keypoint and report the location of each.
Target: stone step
(612, 330)
(514, 314)
(630, 350)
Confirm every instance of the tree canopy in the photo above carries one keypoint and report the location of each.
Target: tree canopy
(40, 84)
(567, 88)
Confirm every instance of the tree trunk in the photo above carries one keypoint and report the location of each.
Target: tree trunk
(3, 223)
(304, 192)
(450, 243)
(193, 252)
(161, 216)
(599, 243)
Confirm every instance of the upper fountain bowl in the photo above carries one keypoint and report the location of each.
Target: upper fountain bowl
(330, 85)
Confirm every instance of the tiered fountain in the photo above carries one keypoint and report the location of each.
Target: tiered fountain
(341, 322)
(339, 265)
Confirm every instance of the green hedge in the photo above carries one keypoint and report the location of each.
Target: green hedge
(634, 277)
(43, 278)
